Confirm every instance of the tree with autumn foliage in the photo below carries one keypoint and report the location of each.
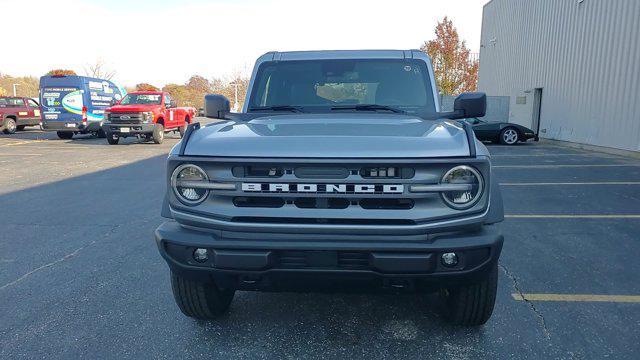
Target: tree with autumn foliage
(27, 85)
(146, 87)
(455, 71)
(61, 72)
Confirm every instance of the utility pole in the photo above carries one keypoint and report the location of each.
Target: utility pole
(14, 89)
(235, 102)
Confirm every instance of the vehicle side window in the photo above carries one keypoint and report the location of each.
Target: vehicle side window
(4, 103)
(32, 103)
(15, 102)
(167, 100)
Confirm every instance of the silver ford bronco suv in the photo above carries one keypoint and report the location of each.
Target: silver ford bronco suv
(341, 173)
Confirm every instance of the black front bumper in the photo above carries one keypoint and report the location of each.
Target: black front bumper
(272, 265)
(132, 129)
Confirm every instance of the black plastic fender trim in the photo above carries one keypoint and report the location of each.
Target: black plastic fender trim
(471, 138)
(187, 134)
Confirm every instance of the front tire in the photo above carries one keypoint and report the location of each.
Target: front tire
(112, 139)
(200, 300)
(9, 126)
(158, 134)
(472, 305)
(509, 136)
(65, 135)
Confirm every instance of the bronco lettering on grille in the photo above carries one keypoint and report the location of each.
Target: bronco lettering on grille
(324, 188)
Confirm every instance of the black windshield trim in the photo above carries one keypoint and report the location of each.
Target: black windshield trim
(368, 107)
(277, 108)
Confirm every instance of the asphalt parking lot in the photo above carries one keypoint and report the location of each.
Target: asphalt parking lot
(80, 276)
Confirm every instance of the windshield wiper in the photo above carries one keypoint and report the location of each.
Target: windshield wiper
(277, 108)
(368, 107)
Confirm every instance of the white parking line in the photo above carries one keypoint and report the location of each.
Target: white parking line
(56, 148)
(14, 143)
(19, 154)
(562, 166)
(573, 183)
(535, 155)
(557, 216)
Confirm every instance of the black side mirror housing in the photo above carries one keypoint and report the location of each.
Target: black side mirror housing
(113, 102)
(468, 105)
(216, 106)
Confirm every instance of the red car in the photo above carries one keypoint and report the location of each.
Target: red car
(18, 112)
(147, 115)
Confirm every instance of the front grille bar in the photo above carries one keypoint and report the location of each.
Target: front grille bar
(206, 185)
(441, 188)
(413, 188)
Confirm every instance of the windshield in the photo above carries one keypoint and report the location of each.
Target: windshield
(141, 99)
(326, 84)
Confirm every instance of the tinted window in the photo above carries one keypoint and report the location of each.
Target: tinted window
(326, 83)
(12, 102)
(32, 103)
(141, 99)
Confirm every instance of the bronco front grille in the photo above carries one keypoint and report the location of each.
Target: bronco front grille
(317, 193)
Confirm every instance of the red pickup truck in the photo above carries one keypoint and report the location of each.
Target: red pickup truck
(146, 115)
(18, 112)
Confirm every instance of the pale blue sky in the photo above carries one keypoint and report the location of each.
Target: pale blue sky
(162, 41)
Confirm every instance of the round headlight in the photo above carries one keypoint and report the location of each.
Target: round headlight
(180, 179)
(463, 175)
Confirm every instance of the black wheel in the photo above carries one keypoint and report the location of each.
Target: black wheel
(158, 133)
(101, 134)
(21, 127)
(112, 139)
(200, 300)
(9, 126)
(509, 136)
(472, 305)
(65, 134)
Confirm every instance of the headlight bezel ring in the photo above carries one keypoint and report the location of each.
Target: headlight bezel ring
(475, 199)
(174, 184)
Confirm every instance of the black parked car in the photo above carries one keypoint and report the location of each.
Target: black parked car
(501, 132)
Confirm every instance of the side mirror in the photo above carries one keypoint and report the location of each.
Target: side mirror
(470, 105)
(171, 104)
(216, 106)
(113, 102)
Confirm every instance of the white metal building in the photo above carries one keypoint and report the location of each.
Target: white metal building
(570, 67)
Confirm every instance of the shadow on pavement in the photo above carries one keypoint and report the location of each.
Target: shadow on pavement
(81, 275)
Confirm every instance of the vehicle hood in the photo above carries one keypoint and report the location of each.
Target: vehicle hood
(133, 108)
(331, 136)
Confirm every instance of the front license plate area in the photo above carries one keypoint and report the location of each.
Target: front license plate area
(70, 125)
(124, 129)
